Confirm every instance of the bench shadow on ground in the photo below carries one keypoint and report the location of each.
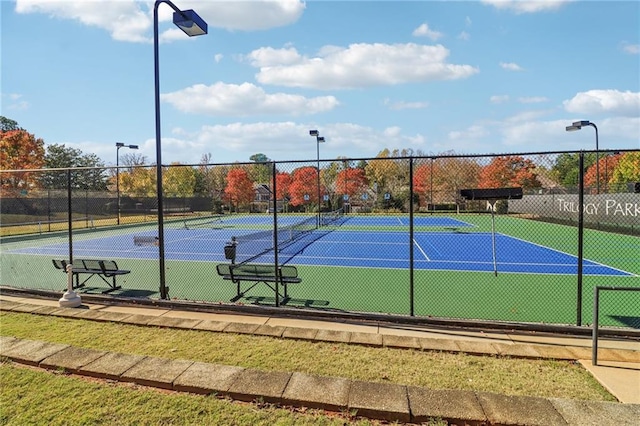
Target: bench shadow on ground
(307, 303)
(633, 322)
(122, 293)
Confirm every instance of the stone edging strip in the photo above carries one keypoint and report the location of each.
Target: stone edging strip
(383, 401)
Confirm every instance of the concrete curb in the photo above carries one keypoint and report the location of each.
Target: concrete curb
(382, 401)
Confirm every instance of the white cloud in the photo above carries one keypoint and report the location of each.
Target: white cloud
(632, 49)
(268, 56)
(361, 65)
(464, 36)
(130, 20)
(511, 66)
(244, 100)
(401, 105)
(218, 57)
(526, 6)
(532, 99)
(499, 99)
(424, 31)
(470, 133)
(605, 101)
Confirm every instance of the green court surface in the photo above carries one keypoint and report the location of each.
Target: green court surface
(446, 293)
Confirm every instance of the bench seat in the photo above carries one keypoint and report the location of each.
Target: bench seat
(101, 268)
(260, 273)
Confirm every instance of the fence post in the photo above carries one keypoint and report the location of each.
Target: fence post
(275, 232)
(411, 301)
(580, 236)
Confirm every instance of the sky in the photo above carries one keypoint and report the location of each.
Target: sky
(472, 77)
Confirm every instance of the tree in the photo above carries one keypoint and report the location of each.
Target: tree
(627, 170)
(259, 172)
(239, 189)
(606, 166)
(60, 156)
(509, 171)
(352, 182)
(566, 169)
(20, 150)
(283, 182)
(382, 171)
(303, 189)
(7, 124)
(139, 182)
(179, 181)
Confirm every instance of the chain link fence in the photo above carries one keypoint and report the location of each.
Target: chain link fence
(389, 235)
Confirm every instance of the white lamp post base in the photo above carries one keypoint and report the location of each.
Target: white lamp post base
(70, 299)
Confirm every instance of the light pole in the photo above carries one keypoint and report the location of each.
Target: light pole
(319, 140)
(192, 25)
(118, 146)
(577, 125)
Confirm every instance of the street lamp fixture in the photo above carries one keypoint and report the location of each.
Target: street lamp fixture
(118, 146)
(319, 140)
(192, 25)
(577, 125)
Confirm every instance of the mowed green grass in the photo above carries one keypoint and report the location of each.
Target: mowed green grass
(435, 370)
(536, 298)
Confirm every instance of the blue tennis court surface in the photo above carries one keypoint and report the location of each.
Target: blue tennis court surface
(447, 250)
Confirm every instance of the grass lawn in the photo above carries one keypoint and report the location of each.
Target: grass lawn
(27, 392)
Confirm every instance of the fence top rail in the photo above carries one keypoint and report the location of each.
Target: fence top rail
(325, 160)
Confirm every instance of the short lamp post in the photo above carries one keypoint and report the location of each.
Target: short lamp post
(577, 125)
(319, 140)
(118, 146)
(192, 25)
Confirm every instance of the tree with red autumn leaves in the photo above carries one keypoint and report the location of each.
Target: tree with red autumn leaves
(351, 181)
(304, 182)
(509, 171)
(283, 181)
(19, 150)
(239, 190)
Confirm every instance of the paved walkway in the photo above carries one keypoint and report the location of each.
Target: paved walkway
(618, 368)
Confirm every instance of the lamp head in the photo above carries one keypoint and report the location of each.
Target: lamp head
(582, 123)
(313, 133)
(320, 139)
(190, 22)
(133, 146)
(119, 144)
(573, 128)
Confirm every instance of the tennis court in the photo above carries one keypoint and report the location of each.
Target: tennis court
(362, 263)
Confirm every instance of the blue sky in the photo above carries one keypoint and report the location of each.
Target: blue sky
(433, 76)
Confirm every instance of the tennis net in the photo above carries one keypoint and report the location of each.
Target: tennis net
(251, 246)
(332, 217)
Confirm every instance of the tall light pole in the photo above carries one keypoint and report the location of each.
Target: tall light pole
(118, 146)
(577, 125)
(192, 25)
(319, 140)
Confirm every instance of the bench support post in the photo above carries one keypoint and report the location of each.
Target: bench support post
(70, 299)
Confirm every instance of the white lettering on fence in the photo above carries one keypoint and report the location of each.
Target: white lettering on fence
(611, 208)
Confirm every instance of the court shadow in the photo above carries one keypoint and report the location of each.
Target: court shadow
(120, 293)
(633, 322)
(307, 303)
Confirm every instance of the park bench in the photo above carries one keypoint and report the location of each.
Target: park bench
(102, 268)
(260, 273)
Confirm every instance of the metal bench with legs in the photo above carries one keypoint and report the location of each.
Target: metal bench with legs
(260, 273)
(102, 268)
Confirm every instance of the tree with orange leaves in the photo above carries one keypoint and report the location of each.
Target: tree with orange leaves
(351, 181)
(19, 150)
(509, 171)
(606, 167)
(239, 189)
(304, 182)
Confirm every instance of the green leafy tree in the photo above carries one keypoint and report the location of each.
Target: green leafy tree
(179, 181)
(7, 124)
(566, 169)
(259, 172)
(94, 177)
